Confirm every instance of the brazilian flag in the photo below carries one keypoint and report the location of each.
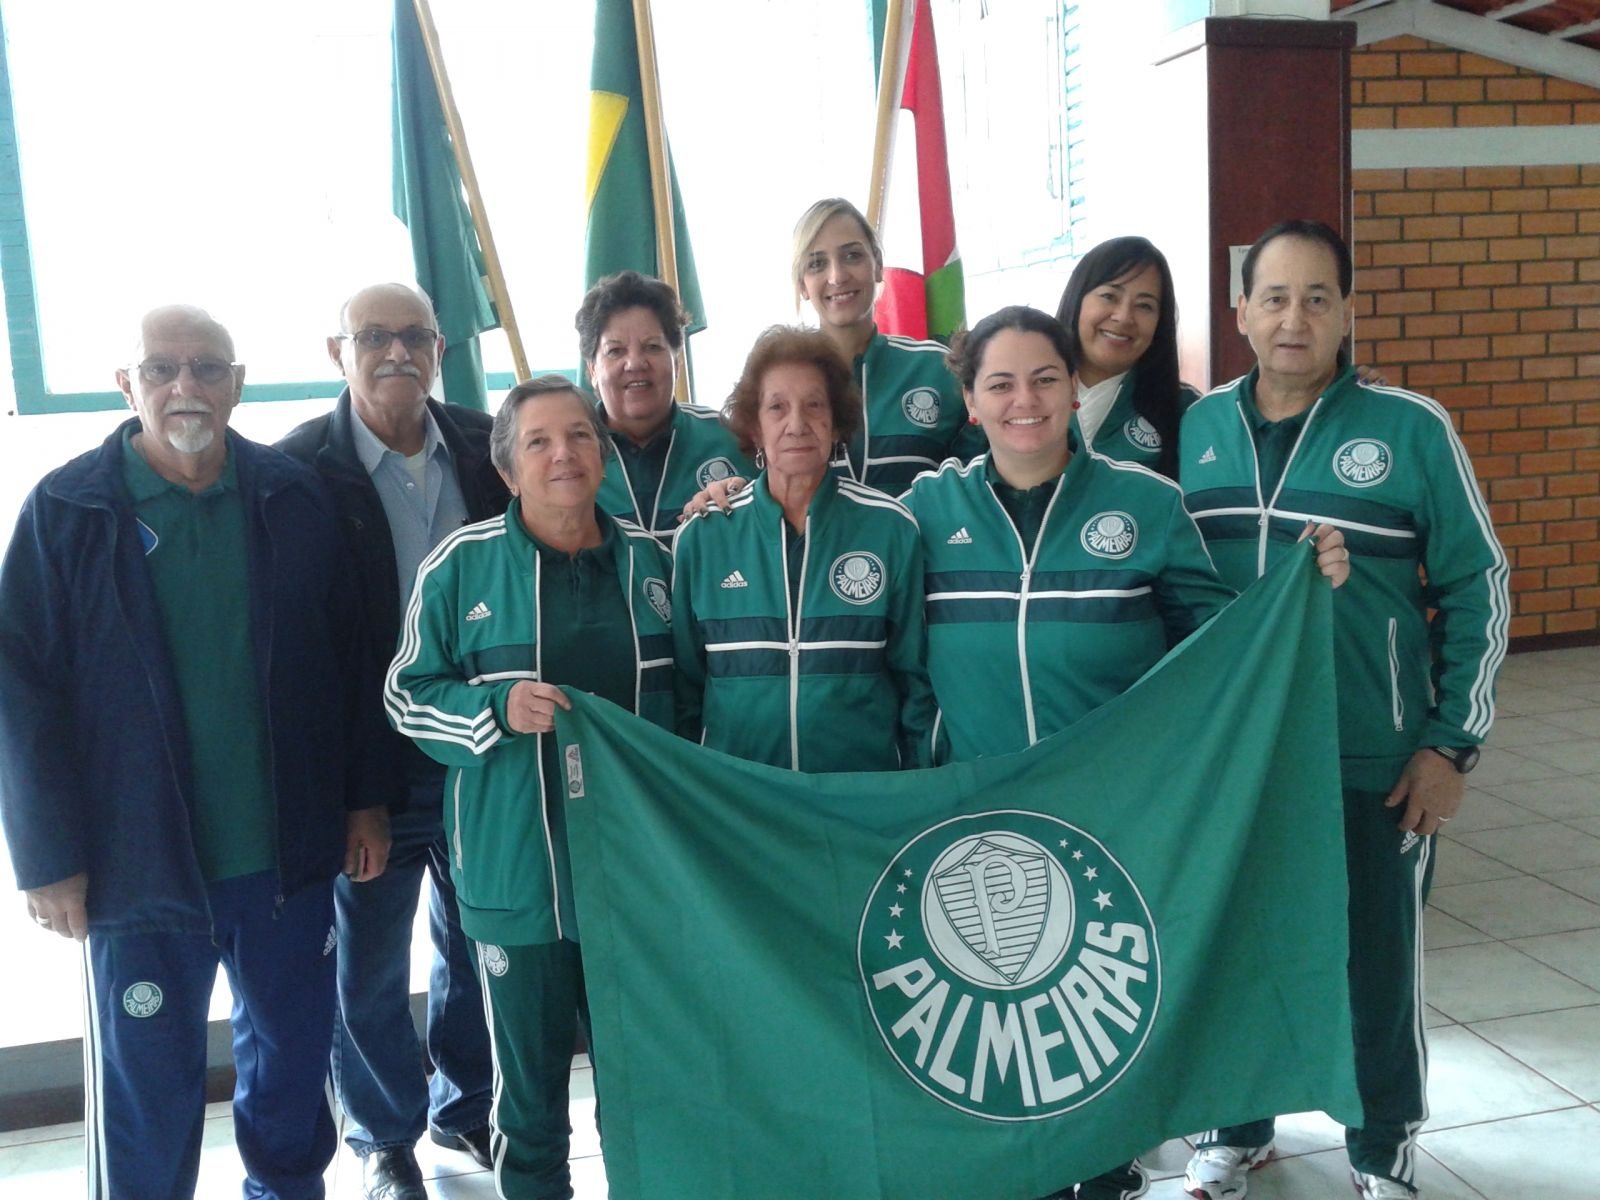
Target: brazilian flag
(429, 198)
(621, 232)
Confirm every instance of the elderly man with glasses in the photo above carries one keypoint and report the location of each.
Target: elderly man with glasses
(404, 470)
(175, 729)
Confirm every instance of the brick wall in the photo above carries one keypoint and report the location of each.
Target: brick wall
(1480, 286)
(1408, 83)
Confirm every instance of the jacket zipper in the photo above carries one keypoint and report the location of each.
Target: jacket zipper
(1264, 523)
(866, 433)
(166, 740)
(633, 630)
(661, 484)
(272, 754)
(1026, 580)
(457, 797)
(544, 790)
(793, 612)
(1397, 708)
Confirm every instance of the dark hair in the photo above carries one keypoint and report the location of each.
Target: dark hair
(966, 351)
(1157, 396)
(776, 347)
(1310, 231)
(503, 436)
(624, 290)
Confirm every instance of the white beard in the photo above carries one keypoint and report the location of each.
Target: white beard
(189, 433)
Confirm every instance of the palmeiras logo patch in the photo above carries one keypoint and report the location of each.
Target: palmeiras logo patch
(857, 577)
(1110, 535)
(715, 468)
(655, 591)
(1363, 462)
(1142, 434)
(494, 959)
(921, 406)
(142, 999)
(1011, 965)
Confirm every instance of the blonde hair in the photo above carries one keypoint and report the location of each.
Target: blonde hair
(809, 226)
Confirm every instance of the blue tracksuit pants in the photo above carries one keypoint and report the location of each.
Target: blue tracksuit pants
(145, 1046)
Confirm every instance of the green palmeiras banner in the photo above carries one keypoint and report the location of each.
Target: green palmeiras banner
(429, 198)
(984, 981)
(621, 231)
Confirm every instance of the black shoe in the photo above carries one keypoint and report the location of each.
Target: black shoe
(391, 1173)
(474, 1142)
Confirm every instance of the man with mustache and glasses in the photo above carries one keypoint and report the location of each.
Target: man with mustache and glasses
(404, 470)
(175, 731)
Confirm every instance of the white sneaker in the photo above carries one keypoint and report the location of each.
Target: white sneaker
(1376, 1187)
(1219, 1172)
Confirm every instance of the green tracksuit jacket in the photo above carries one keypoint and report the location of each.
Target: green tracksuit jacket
(471, 631)
(1126, 436)
(832, 681)
(699, 451)
(1385, 466)
(1021, 645)
(914, 416)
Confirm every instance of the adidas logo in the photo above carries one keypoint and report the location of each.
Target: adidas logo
(1210, 456)
(959, 538)
(479, 611)
(737, 579)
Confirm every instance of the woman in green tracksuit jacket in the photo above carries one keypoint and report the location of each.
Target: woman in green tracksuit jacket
(914, 419)
(1058, 577)
(630, 328)
(798, 631)
(1121, 318)
(553, 591)
(1054, 578)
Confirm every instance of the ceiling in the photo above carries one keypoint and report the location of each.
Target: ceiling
(1558, 37)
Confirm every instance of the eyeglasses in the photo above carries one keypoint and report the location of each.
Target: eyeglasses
(412, 337)
(158, 371)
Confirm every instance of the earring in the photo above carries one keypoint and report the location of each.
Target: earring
(761, 459)
(972, 418)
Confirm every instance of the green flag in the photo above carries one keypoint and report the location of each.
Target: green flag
(991, 979)
(429, 198)
(621, 232)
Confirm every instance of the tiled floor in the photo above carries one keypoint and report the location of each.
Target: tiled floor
(1513, 985)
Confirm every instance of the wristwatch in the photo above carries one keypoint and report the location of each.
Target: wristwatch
(1462, 758)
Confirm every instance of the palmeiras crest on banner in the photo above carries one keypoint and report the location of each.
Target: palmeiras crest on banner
(1011, 964)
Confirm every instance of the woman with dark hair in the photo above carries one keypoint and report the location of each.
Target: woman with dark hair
(630, 328)
(1054, 579)
(797, 619)
(1121, 321)
(552, 593)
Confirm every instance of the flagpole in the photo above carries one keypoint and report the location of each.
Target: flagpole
(469, 180)
(660, 178)
(891, 81)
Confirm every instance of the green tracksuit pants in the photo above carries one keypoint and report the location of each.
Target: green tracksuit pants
(1390, 874)
(535, 1002)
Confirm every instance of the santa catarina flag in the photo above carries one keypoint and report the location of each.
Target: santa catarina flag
(983, 981)
(924, 292)
(621, 231)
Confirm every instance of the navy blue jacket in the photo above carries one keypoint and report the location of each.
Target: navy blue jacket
(94, 755)
(327, 443)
